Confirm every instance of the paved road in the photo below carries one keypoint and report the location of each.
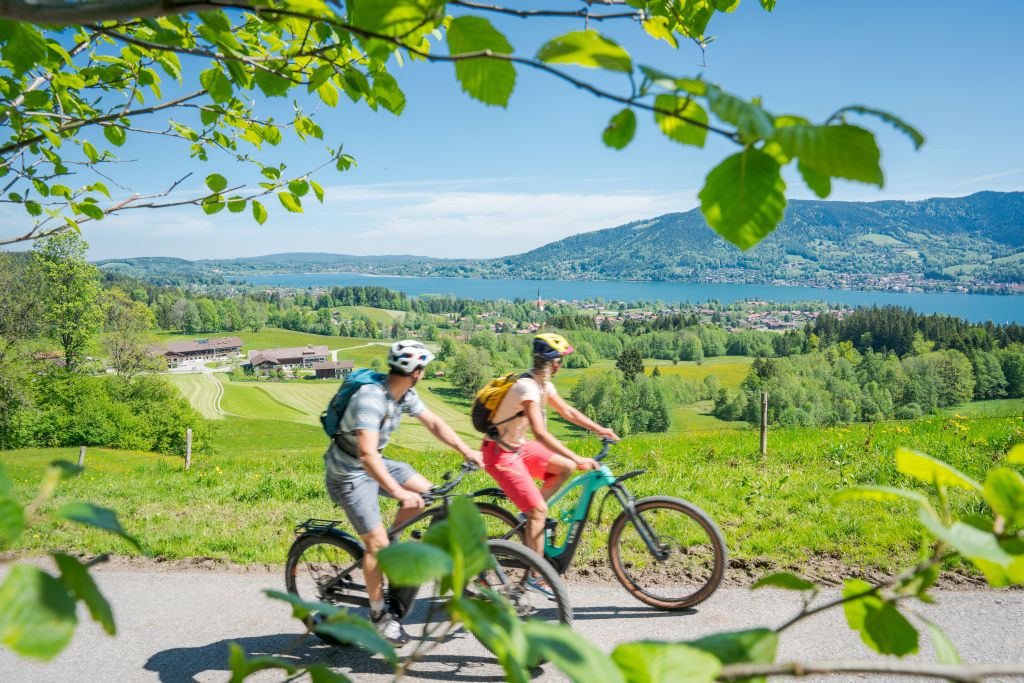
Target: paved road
(176, 626)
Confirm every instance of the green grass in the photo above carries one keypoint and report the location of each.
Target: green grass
(198, 389)
(241, 502)
(1001, 407)
(380, 315)
(880, 240)
(730, 370)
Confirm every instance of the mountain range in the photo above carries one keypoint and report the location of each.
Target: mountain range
(974, 243)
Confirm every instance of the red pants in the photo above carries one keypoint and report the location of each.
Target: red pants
(515, 471)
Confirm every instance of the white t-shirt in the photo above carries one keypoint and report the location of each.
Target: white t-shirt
(513, 432)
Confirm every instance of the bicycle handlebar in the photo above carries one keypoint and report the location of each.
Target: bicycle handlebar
(443, 490)
(604, 451)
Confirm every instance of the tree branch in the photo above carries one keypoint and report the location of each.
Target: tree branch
(21, 144)
(965, 673)
(582, 13)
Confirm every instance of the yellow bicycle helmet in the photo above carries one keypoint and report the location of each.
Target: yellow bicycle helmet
(551, 346)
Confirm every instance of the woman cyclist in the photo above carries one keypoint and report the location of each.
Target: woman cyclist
(515, 462)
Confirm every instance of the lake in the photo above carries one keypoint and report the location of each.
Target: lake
(974, 307)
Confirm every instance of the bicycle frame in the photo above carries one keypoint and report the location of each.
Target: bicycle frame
(560, 555)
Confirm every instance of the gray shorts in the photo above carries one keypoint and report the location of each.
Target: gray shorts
(356, 493)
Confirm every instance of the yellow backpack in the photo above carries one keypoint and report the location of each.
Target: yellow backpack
(488, 400)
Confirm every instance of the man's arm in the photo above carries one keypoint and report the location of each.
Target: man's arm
(368, 441)
(578, 418)
(443, 432)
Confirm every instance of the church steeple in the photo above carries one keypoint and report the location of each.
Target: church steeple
(540, 302)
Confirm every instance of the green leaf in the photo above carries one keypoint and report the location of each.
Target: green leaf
(328, 94)
(692, 131)
(469, 536)
(786, 580)
(236, 205)
(586, 48)
(881, 626)
(743, 197)
(750, 119)
(271, 84)
(302, 609)
(217, 85)
(945, 651)
(489, 80)
(299, 188)
(413, 564)
(317, 190)
(37, 613)
(290, 202)
(1004, 492)
(91, 210)
(93, 515)
(75, 576)
(872, 492)
(345, 162)
(387, 92)
(241, 666)
(216, 182)
(571, 653)
(354, 630)
(620, 129)
(1016, 455)
(819, 183)
(259, 212)
(496, 626)
(893, 120)
(90, 151)
(659, 29)
(212, 205)
(837, 151)
(22, 46)
(980, 546)
(651, 662)
(754, 646)
(319, 673)
(115, 135)
(12, 520)
(932, 471)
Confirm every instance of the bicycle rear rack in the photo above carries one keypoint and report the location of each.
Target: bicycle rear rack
(316, 525)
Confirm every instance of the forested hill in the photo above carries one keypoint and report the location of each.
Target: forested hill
(976, 242)
(977, 239)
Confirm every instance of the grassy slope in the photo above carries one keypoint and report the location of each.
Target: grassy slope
(379, 315)
(199, 391)
(242, 502)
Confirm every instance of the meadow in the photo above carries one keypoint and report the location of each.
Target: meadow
(240, 503)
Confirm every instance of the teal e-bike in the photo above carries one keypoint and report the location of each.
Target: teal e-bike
(667, 552)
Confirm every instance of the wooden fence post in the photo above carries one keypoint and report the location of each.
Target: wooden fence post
(188, 447)
(764, 423)
(81, 456)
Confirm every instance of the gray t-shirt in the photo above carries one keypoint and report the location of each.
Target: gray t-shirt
(370, 408)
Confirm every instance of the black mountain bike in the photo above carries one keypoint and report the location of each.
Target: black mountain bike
(667, 552)
(325, 562)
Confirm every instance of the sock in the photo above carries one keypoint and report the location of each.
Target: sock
(376, 606)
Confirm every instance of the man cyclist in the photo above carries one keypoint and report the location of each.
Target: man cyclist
(515, 462)
(357, 473)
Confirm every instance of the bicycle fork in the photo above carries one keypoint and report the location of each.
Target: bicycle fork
(658, 549)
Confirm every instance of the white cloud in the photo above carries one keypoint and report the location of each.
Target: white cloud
(460, 219)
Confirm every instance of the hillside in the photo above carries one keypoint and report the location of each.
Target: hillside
(975, 242)
(977, 239)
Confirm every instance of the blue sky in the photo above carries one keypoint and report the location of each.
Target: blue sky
(452, 177)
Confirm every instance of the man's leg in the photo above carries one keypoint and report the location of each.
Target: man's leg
(374, 541)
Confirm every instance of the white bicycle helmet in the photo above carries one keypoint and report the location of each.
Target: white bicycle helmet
(409, 355)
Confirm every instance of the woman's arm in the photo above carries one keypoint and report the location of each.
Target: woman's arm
(578, 418)
(541, 433)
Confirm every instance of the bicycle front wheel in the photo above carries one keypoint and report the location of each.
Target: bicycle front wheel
(687, 561)
(515, 564)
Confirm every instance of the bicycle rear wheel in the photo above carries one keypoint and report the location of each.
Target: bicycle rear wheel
(515, 564)
(325, 568)
(692, 553)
